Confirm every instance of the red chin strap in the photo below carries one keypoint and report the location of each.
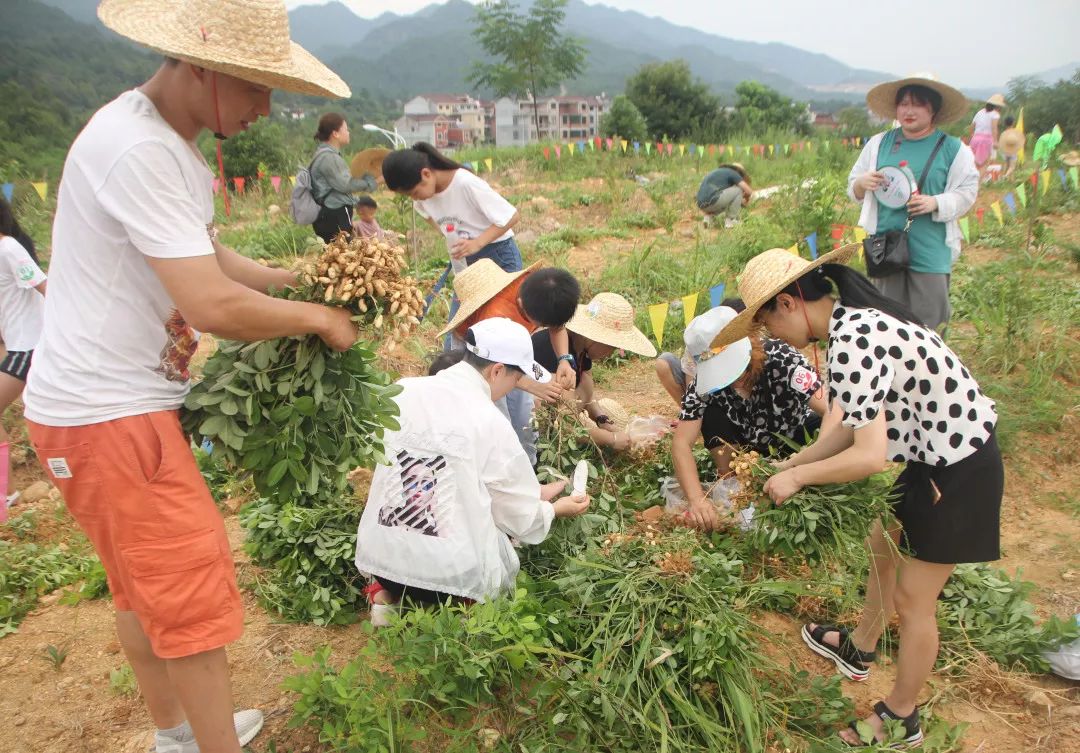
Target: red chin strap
(817, 368)
(219, 137)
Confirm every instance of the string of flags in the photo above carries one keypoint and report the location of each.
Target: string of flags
(658, 312)
(661, 148)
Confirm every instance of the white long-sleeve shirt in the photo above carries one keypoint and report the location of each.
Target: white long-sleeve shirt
(458, 485)
(961, 190)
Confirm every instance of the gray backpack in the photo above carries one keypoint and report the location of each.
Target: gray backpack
(303, 206)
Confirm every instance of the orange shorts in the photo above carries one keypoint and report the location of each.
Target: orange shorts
(134, 488)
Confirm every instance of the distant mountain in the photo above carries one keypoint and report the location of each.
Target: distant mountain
(329, 27)
(433, 50)
(1054, 75)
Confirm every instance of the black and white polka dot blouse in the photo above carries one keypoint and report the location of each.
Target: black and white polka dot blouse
(779, 404)
(935, 411)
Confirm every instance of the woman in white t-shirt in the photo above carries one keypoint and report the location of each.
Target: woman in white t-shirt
(22, 308)
(475, 220)
(984, 132)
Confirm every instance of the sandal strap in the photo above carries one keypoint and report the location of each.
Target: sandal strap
(910, 722)
(846, 648)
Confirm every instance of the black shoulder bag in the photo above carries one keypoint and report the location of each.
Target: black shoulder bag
(887, 253)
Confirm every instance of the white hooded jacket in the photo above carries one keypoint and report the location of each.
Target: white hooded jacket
(458, 485)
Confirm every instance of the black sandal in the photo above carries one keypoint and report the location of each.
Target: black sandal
(912, 731)
(852, 663)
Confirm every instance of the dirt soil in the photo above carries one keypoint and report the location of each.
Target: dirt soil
(72, 709)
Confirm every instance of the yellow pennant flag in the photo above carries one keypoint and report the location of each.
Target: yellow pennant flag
(794, 249)
(571, 146)
(809, 145)
(42, 188)
(860, 234)
(772, 148)
(730, 150)
(996, 206)
(624, 143)
(689, 307)
(682, 149)
(292, 180)
(489, 162)
(658, 315)
(1045, 178)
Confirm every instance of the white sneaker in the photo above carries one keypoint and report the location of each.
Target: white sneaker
(707, 221)
(730, 223)
(381, 614)
(13, 498)
(247, 724)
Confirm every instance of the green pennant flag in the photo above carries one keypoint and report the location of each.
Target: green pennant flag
(1022, 195)
(964, 229)
(1075, 175)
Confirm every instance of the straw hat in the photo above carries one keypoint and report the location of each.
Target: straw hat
(737, 167)
(476, 285)
(609, 319)
(248, 39)
(882, 98)
(612, 409)
(369, 161)
(766, 275)
(997, 100)
(1072, 159)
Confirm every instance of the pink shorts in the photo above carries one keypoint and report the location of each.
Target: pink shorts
(982, 144)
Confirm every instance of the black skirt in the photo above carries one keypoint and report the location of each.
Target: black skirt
(330, 222)
(964, 525)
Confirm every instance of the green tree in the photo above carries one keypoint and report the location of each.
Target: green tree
(854, 120)
(531, 53)
(673, 103)
(624, 120)
(1046, 106)
(759, 108)
(262, 143)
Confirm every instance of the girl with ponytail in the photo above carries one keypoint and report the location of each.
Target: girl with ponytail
(475, 220)
(897, 394)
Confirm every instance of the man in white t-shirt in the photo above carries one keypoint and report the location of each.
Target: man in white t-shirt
(136, 270)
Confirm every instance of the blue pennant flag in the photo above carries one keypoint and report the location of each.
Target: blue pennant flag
(9, 188)
(1061, 174)
(1010, 202)
(716, 295)
(811, 241)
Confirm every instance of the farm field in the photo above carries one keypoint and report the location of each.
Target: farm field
(626, 633)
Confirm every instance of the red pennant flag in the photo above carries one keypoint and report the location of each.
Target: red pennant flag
(217, 185)
(712, 149)
(547, 152)
(239, 183)
(659, 148)
(979, 214)
(275, 181)
(1035, 180)
(596, 141)
(260, 174)
(558, 151)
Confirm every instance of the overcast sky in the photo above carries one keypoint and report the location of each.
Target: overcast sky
(1006, 38)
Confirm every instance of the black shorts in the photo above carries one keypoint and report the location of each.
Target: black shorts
(330, 222)
(418, 596)
(717, 429)
(17, 363)
(965, 524)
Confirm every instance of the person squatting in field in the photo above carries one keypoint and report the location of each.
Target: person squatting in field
(439, 516)
(897, 394)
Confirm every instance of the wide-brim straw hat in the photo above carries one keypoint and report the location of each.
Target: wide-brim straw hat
(997, 100)
(737, 167)
(882, 98)
(609, 319)
(476, 285)
(247, 39)
(1072, 159)
(611, 408)
(369, 161)
(765, 276)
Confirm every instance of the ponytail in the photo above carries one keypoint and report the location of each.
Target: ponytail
(401, 169)
(853, 289)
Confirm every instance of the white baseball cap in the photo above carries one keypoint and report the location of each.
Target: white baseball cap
(717, 368)
(501, 340)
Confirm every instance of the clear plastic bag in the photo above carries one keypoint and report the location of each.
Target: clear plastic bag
(675, 502)
(644, 430)
(1065, 661)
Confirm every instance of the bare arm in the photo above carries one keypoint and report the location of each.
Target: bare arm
(682, 455)
(468, 247)
(41, 288)
(250, 273)
(211, 301)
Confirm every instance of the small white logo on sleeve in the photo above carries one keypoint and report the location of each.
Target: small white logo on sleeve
(59, 467)
(803, 379)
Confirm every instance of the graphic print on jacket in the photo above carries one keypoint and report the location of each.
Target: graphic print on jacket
(419, 509)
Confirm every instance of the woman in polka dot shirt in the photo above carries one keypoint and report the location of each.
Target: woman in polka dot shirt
(897, 393)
